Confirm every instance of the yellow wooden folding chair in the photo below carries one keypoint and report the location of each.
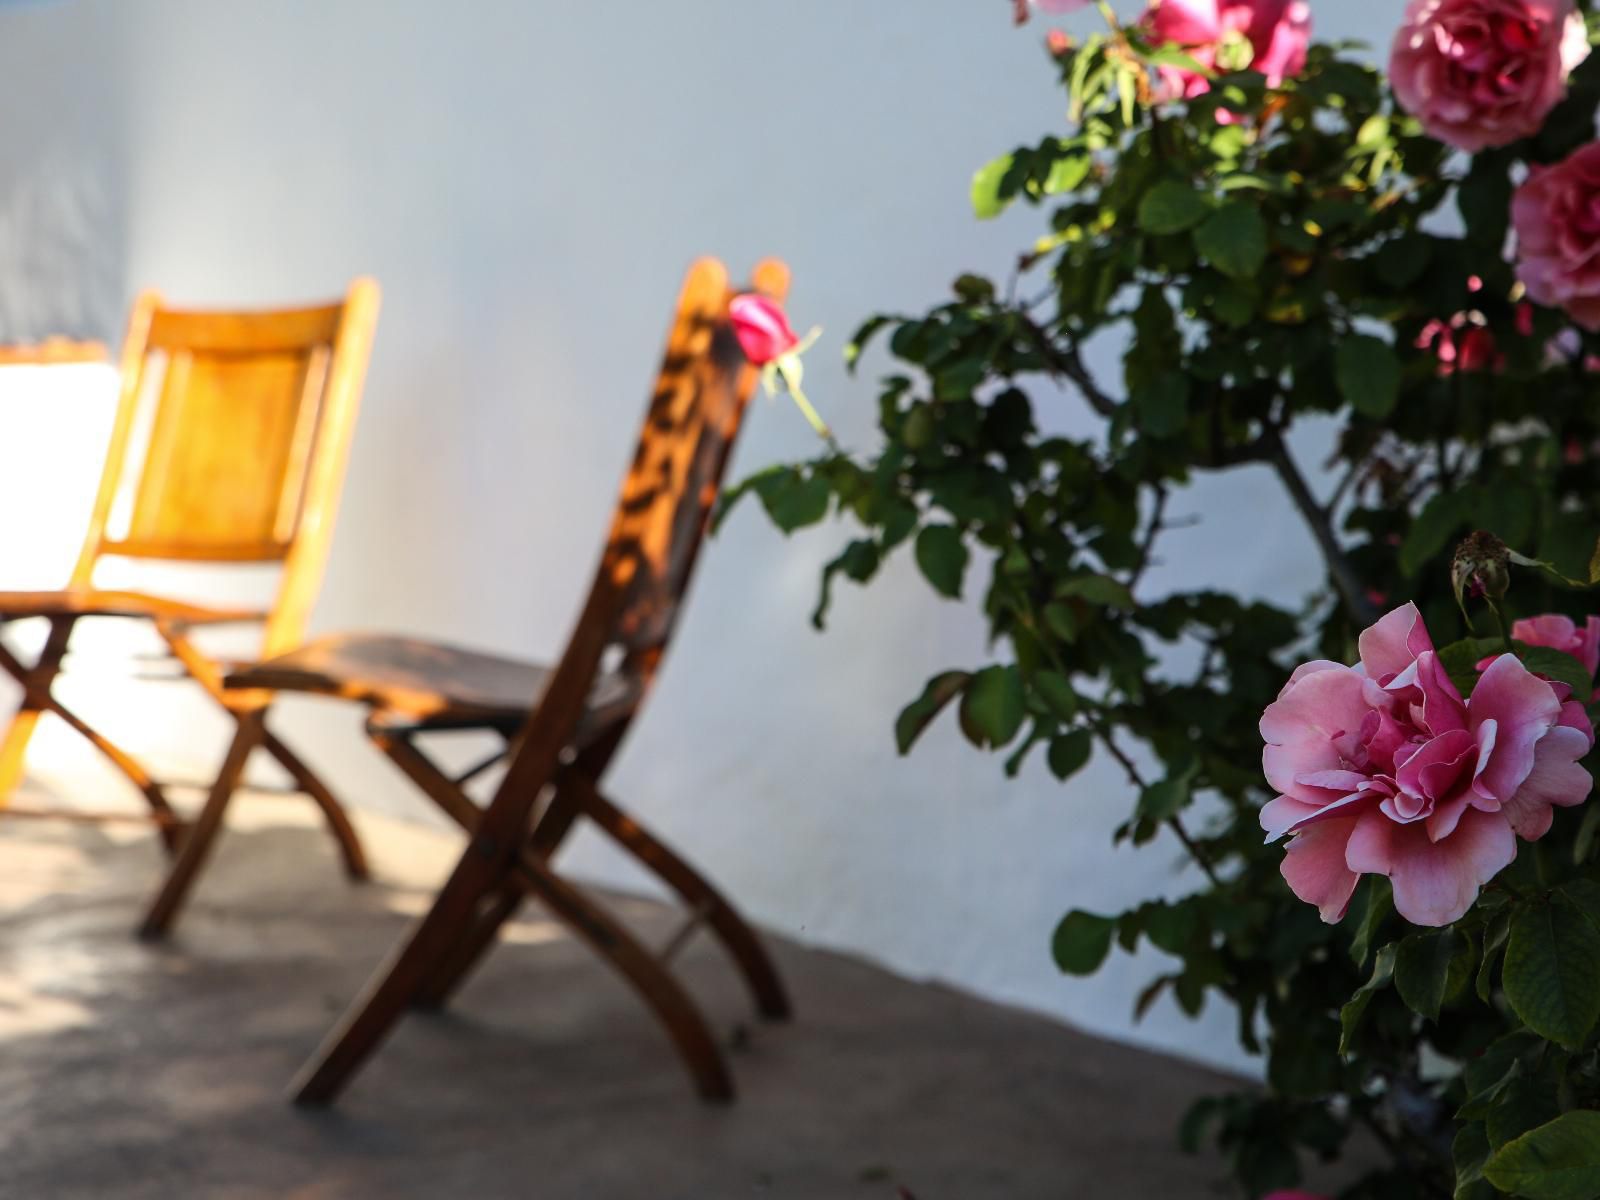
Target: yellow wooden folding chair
(242, 422)
(561, 727)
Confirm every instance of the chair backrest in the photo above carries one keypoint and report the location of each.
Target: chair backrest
(660, 520)
(230, 441)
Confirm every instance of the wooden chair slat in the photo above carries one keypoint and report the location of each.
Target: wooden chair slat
(246, 334)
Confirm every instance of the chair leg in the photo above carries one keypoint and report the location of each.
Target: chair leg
(37, 696)
(457, 963)
(14, 746)
(469, 950)
(344, 833)
(196, 845)
(393, 988)
(740, 941)
(649, 977)
(168, 824)
(432, 973)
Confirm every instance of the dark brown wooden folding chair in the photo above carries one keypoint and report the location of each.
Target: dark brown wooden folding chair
(561, 728)
(230, 441)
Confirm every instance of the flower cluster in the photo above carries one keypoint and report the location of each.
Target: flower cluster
(1383, 768)
(1477, 74)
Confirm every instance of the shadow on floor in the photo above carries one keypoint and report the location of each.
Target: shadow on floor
(129, 1071)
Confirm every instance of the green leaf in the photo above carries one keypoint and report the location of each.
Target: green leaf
(859, 561)
(917, 715)
(792, 500)
(1234, 240)
(1445, 513)
(1081, 942)
(1583, 844)
(1484, 199)
(1172, 56)
(1495, 934)
(1460, 659)
(942, 555)
(1375, 905)
(1558, 1161)
(1356, 1007)
(1552, 971)
(1403, 260)
(1367, 371)
(1165, 798)
(1162, 405)
(1056, 691)
(1594, 564)
(1067, 174)
(994, 186)
(1559, 666)
(993, 707)
(1098, 589)
(1489, 1075)
(1469, 1151)
(858, 342)
(1069, 753)
(1172, 206)
(1061, 621)
(1430, 968)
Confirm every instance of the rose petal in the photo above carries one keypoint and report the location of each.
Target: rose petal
(1523, 708)
(1314, 867)
(1556, 779)
(1434, 882)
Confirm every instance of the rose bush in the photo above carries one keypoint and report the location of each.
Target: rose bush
(1252, 248)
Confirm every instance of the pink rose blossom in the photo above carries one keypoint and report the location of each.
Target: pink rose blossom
(1480, 73)
(1278, 32)
(761, 327)
(1556, 215)
(1561, 633)
(1383, 769)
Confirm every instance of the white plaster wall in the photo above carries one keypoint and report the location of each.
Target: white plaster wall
(528, 181)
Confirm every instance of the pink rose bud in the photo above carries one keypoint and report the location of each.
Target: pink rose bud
(1481, 73)
(1556, 216)
(761, 327)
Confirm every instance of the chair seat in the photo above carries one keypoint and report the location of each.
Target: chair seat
(433, 683)
(95, 602)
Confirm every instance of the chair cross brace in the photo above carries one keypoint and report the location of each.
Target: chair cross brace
(529, 873)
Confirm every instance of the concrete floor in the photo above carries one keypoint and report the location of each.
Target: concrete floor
(128, 1071)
